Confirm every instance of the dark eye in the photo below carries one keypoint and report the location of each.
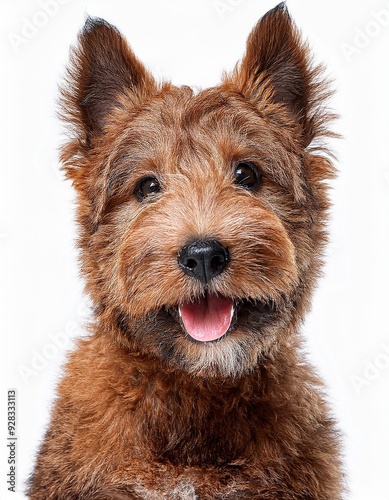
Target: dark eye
(247, 175)
(146, 187)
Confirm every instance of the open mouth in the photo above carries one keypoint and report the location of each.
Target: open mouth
(207, 318)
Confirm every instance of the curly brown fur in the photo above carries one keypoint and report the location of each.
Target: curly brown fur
(146, 410)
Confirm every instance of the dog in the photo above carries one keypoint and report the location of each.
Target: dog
(202, 221)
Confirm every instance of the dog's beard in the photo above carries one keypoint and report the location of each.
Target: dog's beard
(250, 338)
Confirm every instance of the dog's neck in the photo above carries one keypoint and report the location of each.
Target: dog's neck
(200, 421)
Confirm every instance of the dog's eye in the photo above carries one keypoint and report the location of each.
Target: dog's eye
(146, 187)
(247, 175)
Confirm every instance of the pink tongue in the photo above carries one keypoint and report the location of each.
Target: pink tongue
(207, 319)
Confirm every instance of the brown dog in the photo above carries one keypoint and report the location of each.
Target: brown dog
(202, 221)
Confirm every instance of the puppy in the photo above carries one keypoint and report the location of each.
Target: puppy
(201, 228)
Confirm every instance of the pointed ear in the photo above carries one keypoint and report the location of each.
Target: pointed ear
(103, 77)
(277, 64)
(102, 69)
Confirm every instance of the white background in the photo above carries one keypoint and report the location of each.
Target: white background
(191, 42)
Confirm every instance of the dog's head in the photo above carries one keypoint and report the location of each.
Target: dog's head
(201, 215)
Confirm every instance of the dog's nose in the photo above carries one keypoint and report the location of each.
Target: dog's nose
(203, 259)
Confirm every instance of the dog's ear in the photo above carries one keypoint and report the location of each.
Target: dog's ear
(277, 66)
(102, 69)
(104, 80)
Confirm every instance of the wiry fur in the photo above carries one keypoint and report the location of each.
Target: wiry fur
(144, 411)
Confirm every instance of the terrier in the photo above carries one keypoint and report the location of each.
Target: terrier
(202, 221)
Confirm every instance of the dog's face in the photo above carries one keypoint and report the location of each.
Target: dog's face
(201, 214)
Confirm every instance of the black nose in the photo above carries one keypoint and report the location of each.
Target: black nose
(203, 259)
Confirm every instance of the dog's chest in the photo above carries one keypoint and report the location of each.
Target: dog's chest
(183, 489)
